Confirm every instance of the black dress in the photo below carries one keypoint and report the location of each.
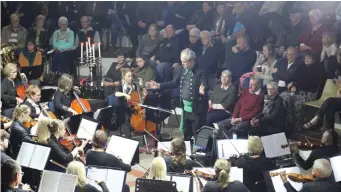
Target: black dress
(58, 154)
(61, 104)
(101, 158)
(8, 94)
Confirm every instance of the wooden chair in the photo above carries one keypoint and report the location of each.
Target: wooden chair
(329, 90)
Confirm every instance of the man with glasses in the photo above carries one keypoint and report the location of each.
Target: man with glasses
(11, 176)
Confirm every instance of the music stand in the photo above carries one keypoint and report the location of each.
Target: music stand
(156, 100)
(111, 117)
(150, 185)
(74, 121)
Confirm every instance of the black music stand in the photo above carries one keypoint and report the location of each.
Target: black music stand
(112, 117)
(157, 100)
(150, 185)
(74, 121)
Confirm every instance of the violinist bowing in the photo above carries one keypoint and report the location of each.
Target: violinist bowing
(321, 172)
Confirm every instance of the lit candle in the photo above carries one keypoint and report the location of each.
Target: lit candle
(82, 50)
(99, 49)
(93, 50)
(87, 49)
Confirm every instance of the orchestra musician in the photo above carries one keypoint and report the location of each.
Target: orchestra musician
(82, 185)
(63, 98)
(177, 162)
(19, 132)
(158, 169)
(33, 95)
(98, 157)
(7, 123)
(222, 170)
(329, 147)
(321, 172)
(4, 145)
(57, 131)
(9, 96)
(11, 177)
(43, 134)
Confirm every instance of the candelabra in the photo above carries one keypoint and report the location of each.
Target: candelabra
(91, 62)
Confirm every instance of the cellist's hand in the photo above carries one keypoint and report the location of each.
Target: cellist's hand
(72, 111)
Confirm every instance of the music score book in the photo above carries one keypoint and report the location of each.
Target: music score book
(272, 145)
(53, 181)
(122, 148)
(167, 145)
(114, 179)
(87, 129)
(335, 163)
(278, 183)
(226, 147)
(183, 183)
(33, 155)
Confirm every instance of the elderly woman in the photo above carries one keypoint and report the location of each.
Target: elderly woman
(222, 99)
(62, 42)
(39, 34)
(149, 41)
(194, 41)
(14, 33)
(310, 41)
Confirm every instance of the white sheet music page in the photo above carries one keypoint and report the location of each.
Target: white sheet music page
(67, 183)
(236, 174)
(182, 183)
(335, 162)
(97, 174)
(25, 154)
(167, 145)
(226, 147)
(53, 181)
(86, 129)
(39, 157)
(278, 183)
(272, 145)
(122, 148)
(115, 180)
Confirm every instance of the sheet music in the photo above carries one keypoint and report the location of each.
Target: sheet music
(236, 174)
(25, 154)
(53, 181)
(39, 157)
(115, 180)
(278, 183)
(272, 145)
(122, 148)
(97, 174)
(98, 111)
(226, 147)
(93, 183)
(335, 162)
(167, 144)
(182, 183)
(86, 129)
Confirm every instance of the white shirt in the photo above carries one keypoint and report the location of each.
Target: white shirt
(256, 92)
(36, 107)
(125, 88)
(290, 64)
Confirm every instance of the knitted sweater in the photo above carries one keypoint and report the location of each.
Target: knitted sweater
(248, 105)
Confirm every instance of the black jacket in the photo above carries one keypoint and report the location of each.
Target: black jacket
(241, 62)
(319, 185)
(175, 168)
(34, 113)
(18, 134)
(43, 38)
(57, 154)
(4, 157)
(8, 94)
(235, 186)
(309, 77)
(101, 158)
(285, 74)
(201, 20)
(90, 188)
(168, 50)
(61, 103)
(208, 60)
(6, 188)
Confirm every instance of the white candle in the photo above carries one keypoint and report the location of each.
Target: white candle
(89, 44)
(87, 49)
(93, 50)
(99, 49)
(82, 50)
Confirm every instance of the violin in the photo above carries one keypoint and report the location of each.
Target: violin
(163, 152)
(5, 119)
(302, 145)
(296, 177)
(30, 123)
(70, 140)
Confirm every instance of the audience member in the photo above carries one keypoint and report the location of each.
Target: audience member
(14, 33)
(219, 20)
(149, 41)
(40, 35)
(202, 19)
(144, 72)
(328, 55)
(222, 99)
(208, 58)
(194, 41)
(85, 33)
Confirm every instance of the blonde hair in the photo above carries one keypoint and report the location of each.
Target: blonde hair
(255, 145)
(20, 110)
(328, 38)
(178, 148)
(32, 90)
(43, 133)
(124, 71)
(9, 67)
(55, 125)
(65, 83)
(222, 168)
(77, 168)
(158, 169)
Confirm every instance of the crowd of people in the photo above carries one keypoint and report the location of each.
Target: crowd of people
(245, 67)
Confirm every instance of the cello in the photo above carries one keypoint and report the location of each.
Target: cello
(80, 105)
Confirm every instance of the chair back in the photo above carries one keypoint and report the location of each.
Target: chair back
(329, 90)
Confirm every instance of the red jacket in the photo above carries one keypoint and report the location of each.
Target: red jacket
(314, 41)
(248, 105)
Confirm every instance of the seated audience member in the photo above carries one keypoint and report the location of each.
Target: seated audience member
(208, 58)
(263, 66)
(86, 32)
(11, 177)
(40, 35)
(223, 183)
(149, 41)
(14, 33)
(82, 185)
(272, 119)
(62, 42)
(19, 132)
(194, 41)
(248, 106)
(286, 70)
(31, 63)
(255, 163)
(178, 162)
(114, 75)
(144, 72)
(4, 138)
(98, 157)
(219, 21)
(202, 19)
(242, 59)
(166, 54)
(33, 95)
(327, 149)
(158, 169)
(9, 96)
(310, 41)
(222, 99)
(321, 172)
(329, 54)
